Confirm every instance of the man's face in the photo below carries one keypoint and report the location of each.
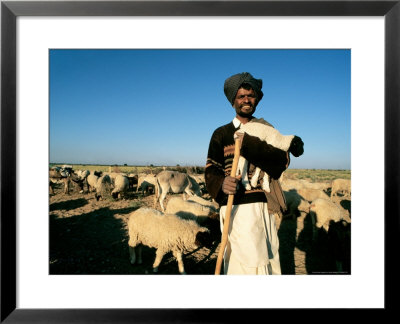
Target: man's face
(245, 102)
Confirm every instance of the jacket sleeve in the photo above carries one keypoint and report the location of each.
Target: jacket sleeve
(263, 155)
(214, 171)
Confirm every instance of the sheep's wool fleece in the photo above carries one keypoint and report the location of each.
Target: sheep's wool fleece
(162, 231)
(252, 240)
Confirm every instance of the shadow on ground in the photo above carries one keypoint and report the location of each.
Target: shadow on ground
(68, 205)
(92, 243)
(287, 243)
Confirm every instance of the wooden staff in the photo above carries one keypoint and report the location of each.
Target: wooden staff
(228, 211)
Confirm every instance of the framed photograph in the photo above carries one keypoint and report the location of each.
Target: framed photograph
(351, 47)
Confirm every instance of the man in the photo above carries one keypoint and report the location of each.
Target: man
(253, 245)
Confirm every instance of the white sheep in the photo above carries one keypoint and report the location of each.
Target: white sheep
(82, 174)
(80, 177)
(145, 182)
(199, 178)
(113, 175)
(204, 202)
(316, 185)
(295, 204)
(323, 211)
(312, 194)
(271, 136)
(57, 175)
(103, 186)
(165, 232)
(92, 181)
(288, 184)
(121, 186)
(174, 182)
(187, 209)
(342, 186)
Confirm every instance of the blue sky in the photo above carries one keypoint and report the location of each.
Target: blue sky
(160, 107)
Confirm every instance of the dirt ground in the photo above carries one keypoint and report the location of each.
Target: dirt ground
(90, 237)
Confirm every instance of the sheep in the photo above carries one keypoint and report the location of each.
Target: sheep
(295, 204)
(133, 180)
(316, 185)
(66, 169)
(80, 177)
(103, 186)
(82, 174)
(312, 194)
(66, 174)
(268, 134)
(112, 176)
(121, 185)
(298, 202)
(288, 184)
(92, 181)
(204, 202)
(191, 210)
(60, 174)
(165, 232)
(323, 211)
(204, 215)
(342, 186)
(200, 179)
(175, 182)
(98, 173)
(146, 182)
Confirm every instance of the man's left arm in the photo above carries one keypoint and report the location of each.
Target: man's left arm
(265, 156)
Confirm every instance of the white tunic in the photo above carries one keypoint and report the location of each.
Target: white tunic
(253, 244)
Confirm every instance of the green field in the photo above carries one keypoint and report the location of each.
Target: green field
(317, 175)
(312, 175)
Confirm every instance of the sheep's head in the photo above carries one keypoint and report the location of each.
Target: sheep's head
(203, 238)
(212, 223)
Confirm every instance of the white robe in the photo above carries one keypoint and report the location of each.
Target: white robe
(253, 244)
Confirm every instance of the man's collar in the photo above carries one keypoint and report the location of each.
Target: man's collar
(236, 122)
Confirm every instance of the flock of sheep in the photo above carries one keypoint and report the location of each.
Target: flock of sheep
(327, 212)
(190, 221)
(303, 197)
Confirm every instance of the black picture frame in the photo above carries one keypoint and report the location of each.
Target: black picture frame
(10, 10)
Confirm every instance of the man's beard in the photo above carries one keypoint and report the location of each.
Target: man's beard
(246, 114)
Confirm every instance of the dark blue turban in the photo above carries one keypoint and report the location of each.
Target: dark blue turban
(233, 83)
